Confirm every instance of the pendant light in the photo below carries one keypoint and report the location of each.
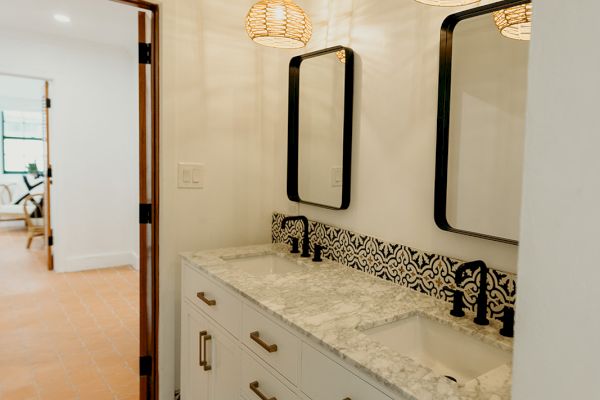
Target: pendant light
(515, 22)
(278, 23)
(448, 3)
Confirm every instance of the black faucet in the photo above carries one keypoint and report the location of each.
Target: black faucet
(458, 302)
(318, 250)
(305, 243)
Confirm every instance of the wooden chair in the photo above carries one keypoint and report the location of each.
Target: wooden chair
(34, 217)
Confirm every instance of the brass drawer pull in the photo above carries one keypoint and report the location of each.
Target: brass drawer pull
(201, 296)
(206, 365)
(254, 388)
(271, 348)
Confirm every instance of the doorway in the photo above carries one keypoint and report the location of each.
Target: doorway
(47, 247)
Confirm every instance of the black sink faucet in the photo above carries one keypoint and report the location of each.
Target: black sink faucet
(305, 243)
(458, 302)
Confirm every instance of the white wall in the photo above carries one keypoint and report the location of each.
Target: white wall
(211, 113)
(558, 311)
(93, 143)
(397, 51)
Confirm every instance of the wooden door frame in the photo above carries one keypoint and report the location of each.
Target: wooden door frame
(48, 180)
(150, 391)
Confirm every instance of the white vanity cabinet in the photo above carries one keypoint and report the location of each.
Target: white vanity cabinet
(251, 355)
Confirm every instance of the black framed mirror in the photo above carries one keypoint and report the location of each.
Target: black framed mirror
(321, 96)
(481, 124)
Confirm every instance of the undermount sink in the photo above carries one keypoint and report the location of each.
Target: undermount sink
(441, 348)
(265, 265)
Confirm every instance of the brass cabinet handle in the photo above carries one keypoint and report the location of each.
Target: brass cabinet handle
(201, 296)
(254, 388)
(206, 365)
(200, 336)
(271, 348)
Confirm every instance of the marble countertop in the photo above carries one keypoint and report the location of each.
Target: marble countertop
(333, 304)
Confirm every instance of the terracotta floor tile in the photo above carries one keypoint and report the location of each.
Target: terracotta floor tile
(65, 336)
(21, 393)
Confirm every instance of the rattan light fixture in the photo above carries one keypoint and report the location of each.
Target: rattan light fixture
(278, 23)
(515, 22)
(447, 3)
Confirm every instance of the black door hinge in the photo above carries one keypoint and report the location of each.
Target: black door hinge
(48, 103)
(145, 53)
(50, 240)
(49, 172)
(145, 213)
(145, 365)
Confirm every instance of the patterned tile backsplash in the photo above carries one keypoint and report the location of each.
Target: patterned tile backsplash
(429, 273)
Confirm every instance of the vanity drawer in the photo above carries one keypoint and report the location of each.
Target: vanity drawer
(262, 381)
(217, 302)
(324, 379)
(272, 343)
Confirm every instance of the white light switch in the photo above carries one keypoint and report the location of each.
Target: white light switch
(190, 175)
(336, 177)
(187, 173)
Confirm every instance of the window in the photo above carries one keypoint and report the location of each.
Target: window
(22, 134)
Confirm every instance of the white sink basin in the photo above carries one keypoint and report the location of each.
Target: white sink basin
(265, 265)
(445, 350)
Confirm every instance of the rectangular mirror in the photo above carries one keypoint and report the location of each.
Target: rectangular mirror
(320, 128)
(481, 125)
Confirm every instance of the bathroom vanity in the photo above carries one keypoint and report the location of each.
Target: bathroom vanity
(259, 323)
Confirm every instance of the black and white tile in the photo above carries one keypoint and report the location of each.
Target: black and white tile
(428, 273)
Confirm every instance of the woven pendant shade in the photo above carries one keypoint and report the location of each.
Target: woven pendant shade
(515, 22)
(278, 23)
(447, 3)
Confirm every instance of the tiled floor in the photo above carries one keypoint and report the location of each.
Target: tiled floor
(64, 336)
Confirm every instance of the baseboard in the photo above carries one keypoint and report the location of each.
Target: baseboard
(99, 261)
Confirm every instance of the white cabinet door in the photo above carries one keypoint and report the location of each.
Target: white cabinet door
(225, 358)
(194, 379)
(210, 359)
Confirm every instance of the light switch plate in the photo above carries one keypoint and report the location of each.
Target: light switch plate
(190, 176)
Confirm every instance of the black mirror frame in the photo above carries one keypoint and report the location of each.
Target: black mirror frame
(293, 123)
(443, 119)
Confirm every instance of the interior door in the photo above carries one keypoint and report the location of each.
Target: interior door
(148, 229)
(48, 178)
(226, 363)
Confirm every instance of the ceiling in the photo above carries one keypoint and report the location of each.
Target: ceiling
(99, 21)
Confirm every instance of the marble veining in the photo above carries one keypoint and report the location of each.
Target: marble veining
(332, 304)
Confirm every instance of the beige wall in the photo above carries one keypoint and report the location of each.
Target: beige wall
(224, 104)
(211, 110)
